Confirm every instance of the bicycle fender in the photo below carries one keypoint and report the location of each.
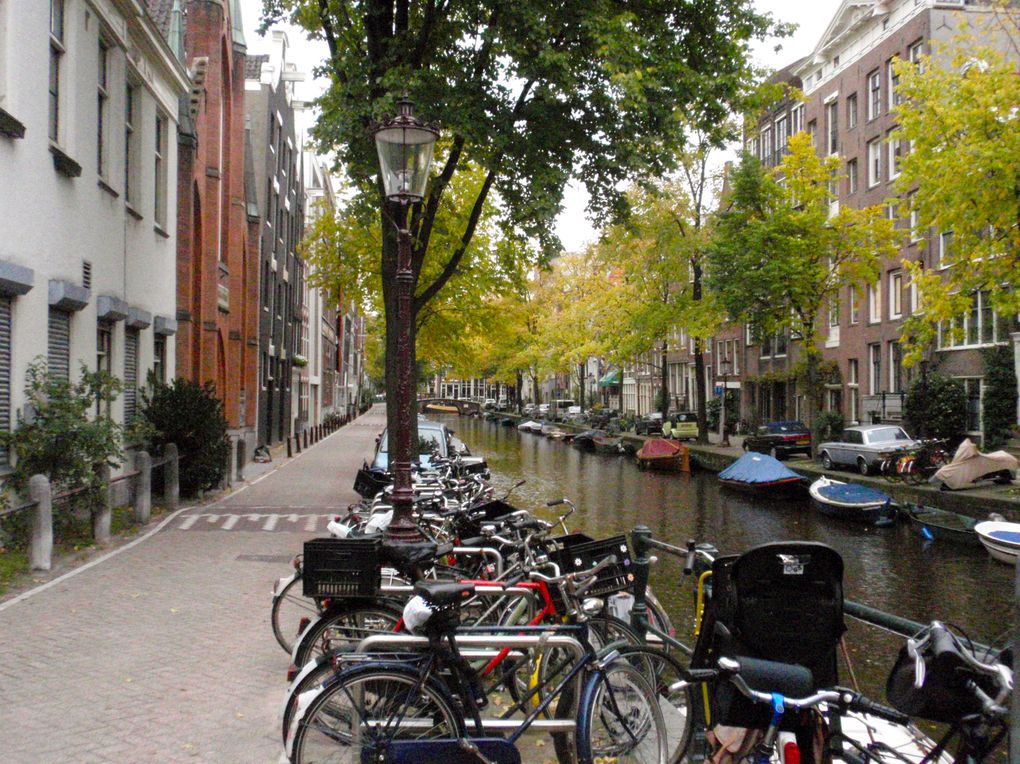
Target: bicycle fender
(283, 583)
(337, 604)
(494, 749)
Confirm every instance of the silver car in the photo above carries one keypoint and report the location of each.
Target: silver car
(864, 447)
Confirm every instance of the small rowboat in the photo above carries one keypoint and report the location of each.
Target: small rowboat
(442, 408)
(935, 523)
(585, 440)
(850, 501)
(664, 455)
(761, 474)
(607, 445)
(1001, 539)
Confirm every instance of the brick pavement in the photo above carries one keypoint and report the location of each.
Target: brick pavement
(164, 652)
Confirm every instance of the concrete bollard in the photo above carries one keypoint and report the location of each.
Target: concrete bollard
(40, 551)
(305, 436)
(290, 449)
(103, 515)
(171, 477)
(143, 487)
(297, 441)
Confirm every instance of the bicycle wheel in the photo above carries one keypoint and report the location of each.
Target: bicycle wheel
(346, 624)
(619, 718)
(665, 674)
(290, 606)
(368, 706)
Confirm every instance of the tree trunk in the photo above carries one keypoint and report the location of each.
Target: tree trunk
(580, 385)
(701, 392)
(519, 390)
(534, 387)
(664, 387)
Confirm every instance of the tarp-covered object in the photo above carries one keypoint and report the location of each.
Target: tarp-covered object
(753, 468)
(657, 447)
(851, 493)
(969, 464)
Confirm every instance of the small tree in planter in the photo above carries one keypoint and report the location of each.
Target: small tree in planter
(999, 396)
(191, 416)
(936, 407)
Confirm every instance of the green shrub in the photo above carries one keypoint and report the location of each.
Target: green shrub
(936, 407)
(828, 425)
(713, 408)
(190, 416)
(999, 396)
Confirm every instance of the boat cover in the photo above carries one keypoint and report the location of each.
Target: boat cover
(851, 493)
(753, 468)
(657, 448)
(1012, 537)
(969, 464)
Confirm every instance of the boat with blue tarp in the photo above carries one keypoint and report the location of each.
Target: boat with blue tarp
(760, 473)
(851, 501)
(1001, 539)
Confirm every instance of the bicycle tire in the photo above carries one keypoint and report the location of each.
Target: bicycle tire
(619, 718)
(347, 619)
(290, 606)
(325, 728)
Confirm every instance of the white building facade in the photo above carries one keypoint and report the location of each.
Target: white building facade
(89, 99)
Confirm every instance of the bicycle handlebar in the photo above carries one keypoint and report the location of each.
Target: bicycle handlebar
(692, 553)
(579, 575)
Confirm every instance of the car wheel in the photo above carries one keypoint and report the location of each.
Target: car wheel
(775, 453)
(827, 461)
(862, 465)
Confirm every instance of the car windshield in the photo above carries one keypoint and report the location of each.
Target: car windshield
(886, 434)
(783, 427)
(686, 418)
(429, 434)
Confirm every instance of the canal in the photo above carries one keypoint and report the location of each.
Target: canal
(887, 568)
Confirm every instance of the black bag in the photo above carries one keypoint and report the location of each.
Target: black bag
(943, 695)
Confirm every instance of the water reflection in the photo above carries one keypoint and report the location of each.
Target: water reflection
(888, 568)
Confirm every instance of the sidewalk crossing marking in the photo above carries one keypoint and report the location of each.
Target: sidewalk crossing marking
(266, 522)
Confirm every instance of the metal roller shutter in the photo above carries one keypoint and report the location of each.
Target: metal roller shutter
(59, 344)
(5, 371)
(130, 375)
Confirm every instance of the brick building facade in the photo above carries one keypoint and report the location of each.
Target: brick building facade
(217, 263)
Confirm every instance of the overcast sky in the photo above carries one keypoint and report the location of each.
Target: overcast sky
(573, 227)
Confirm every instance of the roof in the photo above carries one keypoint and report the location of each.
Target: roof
(253, 66)
(162, 13)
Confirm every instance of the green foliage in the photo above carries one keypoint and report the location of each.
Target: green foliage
(999, 396)
(190, 416)
(936, 407)
(828, 425)
(714, 412)
(64, 438)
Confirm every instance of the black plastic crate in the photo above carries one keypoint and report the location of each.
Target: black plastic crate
(493, 510)
(576, 551)
(340, 567)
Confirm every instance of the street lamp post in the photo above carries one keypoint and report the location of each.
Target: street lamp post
(404, 144)
(724, 367)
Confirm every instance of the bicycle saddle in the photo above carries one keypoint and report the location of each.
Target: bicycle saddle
(770, 676)
(443, 593)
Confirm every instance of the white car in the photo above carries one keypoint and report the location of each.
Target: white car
(490, 403)
(543, 409)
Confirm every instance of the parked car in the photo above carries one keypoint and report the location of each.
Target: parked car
(684, 425)
(490, 403)
(529, 409)
(780, 439)
(442, 441)
(862, 447)
(649, 425)
(574, 414)
(543, 410)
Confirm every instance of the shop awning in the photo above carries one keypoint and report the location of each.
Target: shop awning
(610, 378)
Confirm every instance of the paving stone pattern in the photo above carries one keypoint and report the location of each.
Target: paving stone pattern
(164, 653)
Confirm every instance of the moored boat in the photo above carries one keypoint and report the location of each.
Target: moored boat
(508, 421)
(850, 501)
(442, 408)
(530, 426)
(583, 440)
(762, 474)
(941, 524)
(664, 455)
(607, 445)
(1001, 539)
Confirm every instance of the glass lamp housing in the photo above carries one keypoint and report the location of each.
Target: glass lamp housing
(405, 145)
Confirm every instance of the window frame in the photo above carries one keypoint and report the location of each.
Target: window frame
(131, 140)
(832, 125)
(895, 294)
(875, 303)
(104, 46)
(945, 248)
(851, 176)
(57, 49)
(874, 162)
(874, 83)
(851, 111)
(895, 156)
(161, 146)
(855, 306)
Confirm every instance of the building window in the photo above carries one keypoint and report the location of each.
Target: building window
(102, 105)
(852, 375)
(894, 81)
(895, 154)
(766, 145)
(833, 311)
(851, 176)
(851, 111)
(812, 128)
(159, 161)
(159, 358)
(875, 303)
(56, 60)
(5, 370)
(104, 357)
(915, 223)
(874, 94)
(853, 390)
(946, 252)
(896, 368)
(895, 294)
(797, 119)
(58, 344)
(130, 375)
(874, 163)
(855, 306)
(832, 122)
(130, 115)
(875, 368)
(979, 326)
(973, 389)
(914, 53)
(782, 134)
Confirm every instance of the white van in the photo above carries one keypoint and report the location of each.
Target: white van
(560, 407)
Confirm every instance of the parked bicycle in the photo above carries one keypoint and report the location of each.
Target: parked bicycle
(915, 465)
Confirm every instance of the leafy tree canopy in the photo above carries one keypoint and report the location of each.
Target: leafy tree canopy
(959, 114)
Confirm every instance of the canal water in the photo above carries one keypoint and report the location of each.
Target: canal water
(887, 568)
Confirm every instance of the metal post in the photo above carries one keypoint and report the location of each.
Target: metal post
(639, 610)
(297, 442)
(290, 448)
(143, 487)
(304, 437)
(402, 527)
(1014, 737)
(171, 477)
(103, 516)
(724, 438)
(40, 550)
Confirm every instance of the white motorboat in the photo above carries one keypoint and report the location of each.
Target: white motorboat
(530, 426)
(1001, 539)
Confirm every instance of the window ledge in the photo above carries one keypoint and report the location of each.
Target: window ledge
(63, 163)
(107, 187)
(10, 126)
(132, 211)
(160, 231)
